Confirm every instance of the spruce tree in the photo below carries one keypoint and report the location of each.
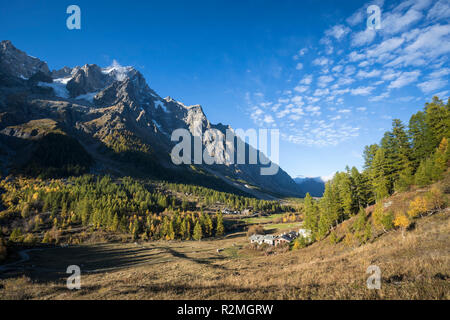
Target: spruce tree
(198, 234)
(220, 229)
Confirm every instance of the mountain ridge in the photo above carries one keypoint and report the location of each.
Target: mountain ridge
(114, 114)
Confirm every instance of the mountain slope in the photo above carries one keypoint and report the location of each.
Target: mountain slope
(119, 121)
(314, 186)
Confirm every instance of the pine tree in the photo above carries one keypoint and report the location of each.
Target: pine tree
(420, 136)
(437, 117)
(405, 180)
(219, 227)
(379, 181)
(311, 214)
(369, 155)
(361, 188)
(198, 234)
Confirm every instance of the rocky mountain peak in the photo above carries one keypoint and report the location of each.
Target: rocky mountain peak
(114, 107)
(17, 63)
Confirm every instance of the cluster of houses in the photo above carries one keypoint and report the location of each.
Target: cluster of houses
(275, 240)
(247, 211)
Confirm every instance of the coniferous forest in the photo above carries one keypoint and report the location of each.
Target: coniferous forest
(413, 154)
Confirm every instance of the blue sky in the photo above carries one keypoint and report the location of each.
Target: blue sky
(309, 68)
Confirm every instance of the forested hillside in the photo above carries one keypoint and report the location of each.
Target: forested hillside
(48, 211)
(417, 154)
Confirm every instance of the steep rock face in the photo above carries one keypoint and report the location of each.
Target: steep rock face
(114, 107)
(17, 63)
(89, 78)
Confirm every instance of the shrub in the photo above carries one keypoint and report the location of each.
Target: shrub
(387, 221)
(349, 239)
(16, 235)
(47, 237)
(255, 229)
(300, 242)
(435, 199)
(417, 207)
(334, 239)
(29, 238)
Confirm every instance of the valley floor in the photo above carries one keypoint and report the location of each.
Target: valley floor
(413, 267)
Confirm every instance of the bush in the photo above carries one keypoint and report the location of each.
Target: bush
(387, 221)
(435, 199)
(418, 207)
(300, 242)
(334, 239)
(255, 229)
(29, 239)
(48, 238)
(16, 235)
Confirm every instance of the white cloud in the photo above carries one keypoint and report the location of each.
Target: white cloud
(362, 109)
(355, 56)
(362, 91)
(432, 85)
(355, 18)
(364, 74)
(363, 37)
(386, 46)
(431, 43)
(306, 80)
(300, 53)
(301, 89)
(337, 68)
(299, 66)
(395, 22)
(321, 92)
(321, 61)
(338, 117)
(323, 81)
(297, 100)
(313, 110)
(380, 97)
(338, 31)
(440, 10)
(404, 79)
(344, 111)
(268, 119)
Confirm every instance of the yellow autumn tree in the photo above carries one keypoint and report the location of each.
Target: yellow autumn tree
(402, 221)
(418, 207)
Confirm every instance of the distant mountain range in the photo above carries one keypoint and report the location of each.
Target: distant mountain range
(108, 121)
(314, 185)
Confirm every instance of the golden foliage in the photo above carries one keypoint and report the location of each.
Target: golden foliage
(401, 221)
(418, 206)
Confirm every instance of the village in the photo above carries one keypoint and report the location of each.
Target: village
(277, 240)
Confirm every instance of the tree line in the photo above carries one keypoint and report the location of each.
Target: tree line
(417, 154)
(124, 205)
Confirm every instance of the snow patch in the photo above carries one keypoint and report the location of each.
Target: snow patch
(58, 87)
(119, 72)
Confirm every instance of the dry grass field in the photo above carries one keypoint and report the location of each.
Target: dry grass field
(413, 267)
